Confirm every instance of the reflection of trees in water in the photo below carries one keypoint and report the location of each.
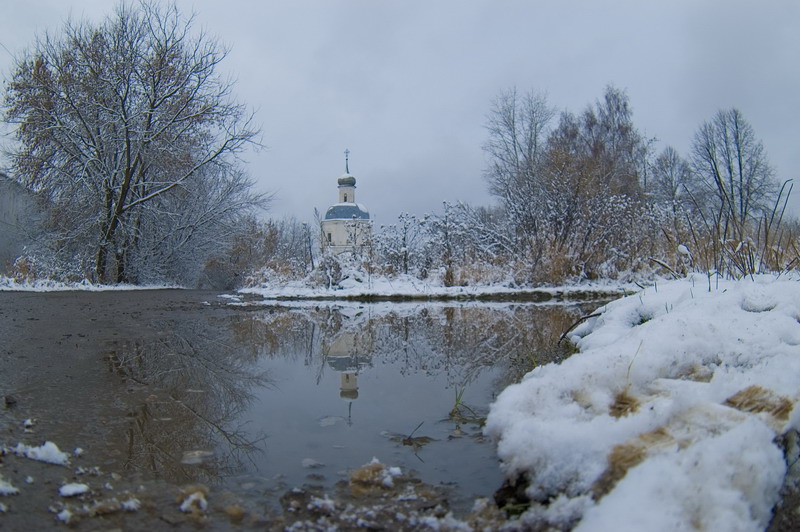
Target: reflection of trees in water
(278, 333)
(457, 341)
(198, 382)
(463, 341)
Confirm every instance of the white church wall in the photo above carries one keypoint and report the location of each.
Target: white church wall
(347, 194)
(344, 235)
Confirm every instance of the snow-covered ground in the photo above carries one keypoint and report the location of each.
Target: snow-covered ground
(667, 418)
(354, 285)
(47, 285)
(357, 284)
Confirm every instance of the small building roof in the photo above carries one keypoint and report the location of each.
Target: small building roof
(347, 211)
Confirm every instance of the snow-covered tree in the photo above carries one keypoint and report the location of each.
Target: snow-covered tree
(262, 250)
(399, 244)
(568, 190)
(132, 133)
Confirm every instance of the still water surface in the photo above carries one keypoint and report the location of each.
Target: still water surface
(260, 401)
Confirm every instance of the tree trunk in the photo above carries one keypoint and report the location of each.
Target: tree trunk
(100, 264)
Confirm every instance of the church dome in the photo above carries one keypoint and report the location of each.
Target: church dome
(347, 181)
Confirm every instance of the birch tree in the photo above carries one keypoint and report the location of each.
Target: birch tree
(121, 124)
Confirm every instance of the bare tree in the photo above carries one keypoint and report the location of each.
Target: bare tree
(600, 151)
(571, 190)
(732, 165)
(259, 249)
(119, 121)
(518, 127)
(671, 180)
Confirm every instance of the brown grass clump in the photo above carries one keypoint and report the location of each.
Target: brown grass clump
(624, 404)
(620, 460)
(755, 399)
(625, 456)
(368, 479)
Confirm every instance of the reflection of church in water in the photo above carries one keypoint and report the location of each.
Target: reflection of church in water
(348, 353)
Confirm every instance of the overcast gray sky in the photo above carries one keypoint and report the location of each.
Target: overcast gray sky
(406, 85)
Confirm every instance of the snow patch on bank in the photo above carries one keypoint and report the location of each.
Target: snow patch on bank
(667, 418)
(46, 285)
(356, 285)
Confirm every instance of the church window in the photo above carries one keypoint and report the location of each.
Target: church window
(345, 197)
(329, 238)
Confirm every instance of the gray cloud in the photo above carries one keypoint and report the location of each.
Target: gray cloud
(406, 85)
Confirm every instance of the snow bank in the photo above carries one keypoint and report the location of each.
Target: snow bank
(47, 285)
(357, 284)
(667, 417)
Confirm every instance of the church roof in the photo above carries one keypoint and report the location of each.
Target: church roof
(347, 211)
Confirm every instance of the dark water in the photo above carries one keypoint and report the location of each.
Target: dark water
(260, 401)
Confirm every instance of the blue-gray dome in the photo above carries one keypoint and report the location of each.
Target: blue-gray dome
(347, 181)
(347, 211)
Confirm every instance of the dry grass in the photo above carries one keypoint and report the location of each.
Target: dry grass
(755, 399)
(624, 404)
(479, 272)
(24, 270)
(627, 455)
(623, 457)
(368, 480)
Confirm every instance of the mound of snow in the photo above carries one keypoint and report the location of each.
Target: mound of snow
(6, 488)
(667, 418)
(70, 490)
(47, 452)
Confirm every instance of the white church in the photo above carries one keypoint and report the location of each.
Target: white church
(347, 225)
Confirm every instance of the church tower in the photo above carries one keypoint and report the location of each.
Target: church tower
(346, 226)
